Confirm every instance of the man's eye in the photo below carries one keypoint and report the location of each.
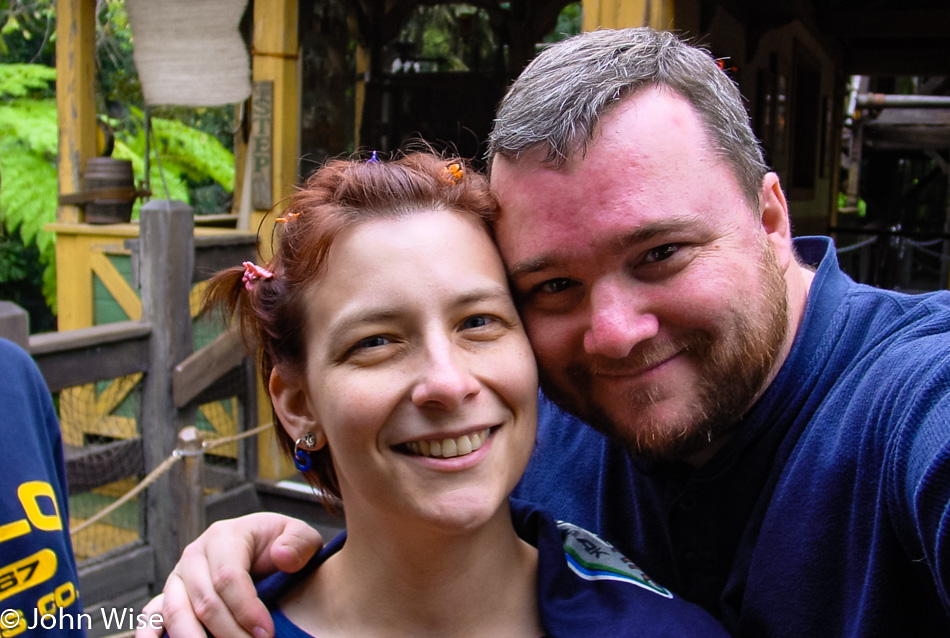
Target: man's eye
(555, 285)
(660, 253)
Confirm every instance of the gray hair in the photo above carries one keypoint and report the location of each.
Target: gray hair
(558, 99)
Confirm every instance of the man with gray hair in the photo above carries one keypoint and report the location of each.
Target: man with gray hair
(766, 437)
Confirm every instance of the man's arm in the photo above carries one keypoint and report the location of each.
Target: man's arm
(212, 583)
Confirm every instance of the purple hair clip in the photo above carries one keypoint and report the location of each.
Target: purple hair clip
(373, 159)
(253, 272)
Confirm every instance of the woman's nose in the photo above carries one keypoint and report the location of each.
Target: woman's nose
(446, 380)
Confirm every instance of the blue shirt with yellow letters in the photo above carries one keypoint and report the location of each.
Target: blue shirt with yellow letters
(39, 588)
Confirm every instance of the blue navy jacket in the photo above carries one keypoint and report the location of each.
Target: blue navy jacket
(828, 513)
(585, 587)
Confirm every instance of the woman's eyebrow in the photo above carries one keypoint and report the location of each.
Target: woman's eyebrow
(348, 320)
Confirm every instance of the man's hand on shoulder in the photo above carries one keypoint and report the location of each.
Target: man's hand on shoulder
(212, 583)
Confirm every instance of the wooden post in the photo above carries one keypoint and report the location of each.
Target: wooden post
(617, 14)
(276, 59)
(167, 262)
(14, 324)
(190, 486)
(75, 96)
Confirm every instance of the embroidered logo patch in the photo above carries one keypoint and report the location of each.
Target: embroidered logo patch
(593, 558)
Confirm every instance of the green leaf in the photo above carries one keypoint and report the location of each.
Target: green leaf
(21, 80)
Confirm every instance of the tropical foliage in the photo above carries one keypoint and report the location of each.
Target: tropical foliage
(188, 163)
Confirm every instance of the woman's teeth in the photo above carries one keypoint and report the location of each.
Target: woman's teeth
(448, 448)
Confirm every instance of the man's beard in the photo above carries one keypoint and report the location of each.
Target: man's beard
(733, 370)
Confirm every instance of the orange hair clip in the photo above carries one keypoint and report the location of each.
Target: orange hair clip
(289, 217)
(453, 172)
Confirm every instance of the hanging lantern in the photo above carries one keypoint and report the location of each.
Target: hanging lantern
(190, 52)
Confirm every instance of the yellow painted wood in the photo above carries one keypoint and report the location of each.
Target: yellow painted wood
(99, 538)
(77, 408)
(224, 423)
(118, 427)
(619, 14)
(196, 297)
(661, 15)
(73, 282)
(115, 393)
(276, 60)
(75, 96)
(75, 244)
(116, 284)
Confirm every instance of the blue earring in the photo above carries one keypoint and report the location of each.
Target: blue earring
(302, 459)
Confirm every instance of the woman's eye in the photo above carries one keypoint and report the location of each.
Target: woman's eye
(476, 321)
(660, 253)
(375, 341)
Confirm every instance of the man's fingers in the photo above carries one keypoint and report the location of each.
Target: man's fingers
(220, 587)
(211, 585)
(295, 546)
(151, 609)
(237, 594)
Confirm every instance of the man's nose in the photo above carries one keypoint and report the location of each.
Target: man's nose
(446, 380)
(617, 321)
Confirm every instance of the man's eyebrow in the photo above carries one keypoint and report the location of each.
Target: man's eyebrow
(614, 245)
(533, 265)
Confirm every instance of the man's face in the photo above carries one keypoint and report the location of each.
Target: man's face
(649, 288)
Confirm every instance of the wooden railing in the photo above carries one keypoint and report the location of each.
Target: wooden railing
(176, 380)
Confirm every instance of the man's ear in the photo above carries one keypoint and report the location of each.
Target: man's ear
(293, 407)
(773, 209)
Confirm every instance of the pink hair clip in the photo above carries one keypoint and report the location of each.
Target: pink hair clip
(289, 217)
(253, 272)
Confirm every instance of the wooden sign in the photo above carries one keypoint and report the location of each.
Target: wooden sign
(261, 145)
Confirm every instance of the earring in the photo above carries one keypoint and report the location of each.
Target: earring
(302, 460)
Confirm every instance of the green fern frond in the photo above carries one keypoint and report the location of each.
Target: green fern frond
(22, 80)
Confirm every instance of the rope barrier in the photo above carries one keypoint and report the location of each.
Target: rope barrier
(860, 244)
(160, 470)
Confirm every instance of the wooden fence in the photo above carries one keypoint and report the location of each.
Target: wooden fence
(167, 259)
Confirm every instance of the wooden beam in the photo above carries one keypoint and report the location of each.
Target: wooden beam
(125, 572)
(75, 96)
(85, 355)
(202, 368)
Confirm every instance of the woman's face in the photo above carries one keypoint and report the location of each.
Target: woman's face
(419, 374)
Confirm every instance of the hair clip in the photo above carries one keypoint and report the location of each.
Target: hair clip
(453, 172)
(373, 159)
(289, 217)
(253, 272)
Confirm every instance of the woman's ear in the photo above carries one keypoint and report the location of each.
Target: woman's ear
(294, 408)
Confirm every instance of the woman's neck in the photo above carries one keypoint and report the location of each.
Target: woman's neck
(423, 582)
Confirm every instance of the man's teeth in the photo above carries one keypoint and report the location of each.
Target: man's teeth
(447, 448)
